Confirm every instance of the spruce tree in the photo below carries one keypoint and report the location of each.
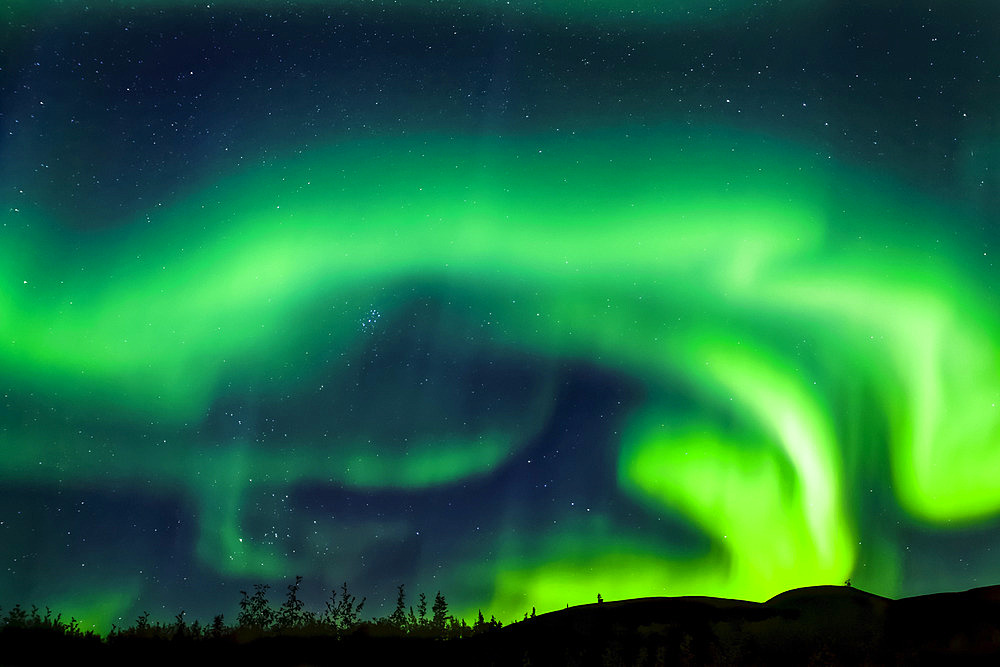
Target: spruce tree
(422, 609)
(440, 611)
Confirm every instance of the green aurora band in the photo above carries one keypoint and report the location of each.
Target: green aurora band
(774, 286)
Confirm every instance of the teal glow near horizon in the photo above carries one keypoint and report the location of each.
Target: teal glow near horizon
(696, 355)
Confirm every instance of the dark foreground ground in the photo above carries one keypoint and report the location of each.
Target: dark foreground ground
(819, 625)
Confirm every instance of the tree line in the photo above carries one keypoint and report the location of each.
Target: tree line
(257, 618)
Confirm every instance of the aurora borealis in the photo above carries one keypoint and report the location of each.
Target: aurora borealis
(523, 304)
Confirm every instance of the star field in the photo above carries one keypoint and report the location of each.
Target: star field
(520, 303)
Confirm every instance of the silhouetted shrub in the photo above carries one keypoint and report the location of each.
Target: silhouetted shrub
(255, 612)
(292, 614)
(343, 615)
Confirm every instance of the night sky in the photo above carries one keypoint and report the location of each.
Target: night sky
(522, 302)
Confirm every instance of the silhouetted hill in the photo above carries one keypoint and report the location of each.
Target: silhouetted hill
(816, 625)
(820, 625)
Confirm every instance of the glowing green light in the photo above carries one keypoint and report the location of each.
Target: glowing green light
(709, 271)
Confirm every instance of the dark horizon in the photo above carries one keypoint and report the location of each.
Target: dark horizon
(818, 625)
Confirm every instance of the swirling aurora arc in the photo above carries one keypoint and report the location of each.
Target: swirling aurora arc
(394, 322)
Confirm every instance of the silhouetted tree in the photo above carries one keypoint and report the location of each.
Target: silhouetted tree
(16, 618)
(440, 611)
(255, 612)
(458, 627)
(397, 619)
(142, 624)
(218, 627)
(180, 628)
(291, 614)
(480, 623)
(343, 614)
(422, 610)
